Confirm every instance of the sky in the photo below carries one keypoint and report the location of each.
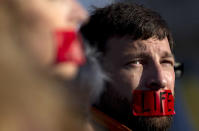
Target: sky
(98, 3)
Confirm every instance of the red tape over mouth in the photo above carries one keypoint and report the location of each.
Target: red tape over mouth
(69, 47)
(153, 103)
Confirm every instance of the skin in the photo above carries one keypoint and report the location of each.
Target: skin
(27, 29)
(35, 22)
(136, 65)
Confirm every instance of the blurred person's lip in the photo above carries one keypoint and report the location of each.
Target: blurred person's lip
(69, 47)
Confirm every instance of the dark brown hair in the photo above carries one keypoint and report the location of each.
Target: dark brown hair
(124, 19)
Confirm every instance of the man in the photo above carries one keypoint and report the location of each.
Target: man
(136, 53)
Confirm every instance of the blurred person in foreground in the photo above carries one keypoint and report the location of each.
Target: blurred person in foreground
(43, 28)
(40, 54)
(136, 49)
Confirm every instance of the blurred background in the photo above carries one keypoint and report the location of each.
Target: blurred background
(183, 20)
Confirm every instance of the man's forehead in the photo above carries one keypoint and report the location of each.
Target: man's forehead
(125, 45)
(128, 41)
(118, 43)
(149, 43)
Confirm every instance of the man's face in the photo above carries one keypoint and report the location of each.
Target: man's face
(137, 65)
(39, 19)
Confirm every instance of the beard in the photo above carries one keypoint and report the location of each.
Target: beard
(156, 123)
(120, 109)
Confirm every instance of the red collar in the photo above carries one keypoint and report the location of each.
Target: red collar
(107, 122)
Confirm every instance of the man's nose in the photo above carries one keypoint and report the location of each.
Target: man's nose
(79, 14)
(156, 78)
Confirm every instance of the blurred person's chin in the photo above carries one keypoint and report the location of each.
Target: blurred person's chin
(156, 123)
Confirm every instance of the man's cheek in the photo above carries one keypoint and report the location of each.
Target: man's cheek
(170, 78)
(126, 83)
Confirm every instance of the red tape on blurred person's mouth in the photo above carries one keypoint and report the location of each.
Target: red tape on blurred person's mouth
(153, 103)
(69, 47)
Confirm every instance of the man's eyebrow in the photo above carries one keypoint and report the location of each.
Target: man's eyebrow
(146, 55)
(167, 55)
(136, 55)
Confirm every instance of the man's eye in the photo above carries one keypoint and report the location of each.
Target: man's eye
(137, 62)
(134, 63)
(168, 62)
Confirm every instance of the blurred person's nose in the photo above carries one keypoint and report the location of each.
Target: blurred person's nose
(79, 14)
(155, 79)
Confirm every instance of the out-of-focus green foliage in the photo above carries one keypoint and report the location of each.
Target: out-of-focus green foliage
(191, 96)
